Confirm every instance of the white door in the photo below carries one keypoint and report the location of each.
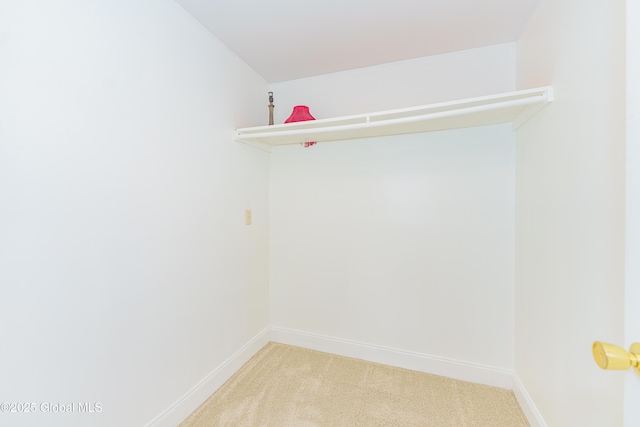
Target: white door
(632, 261)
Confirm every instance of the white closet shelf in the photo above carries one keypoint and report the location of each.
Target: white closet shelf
(512, 107)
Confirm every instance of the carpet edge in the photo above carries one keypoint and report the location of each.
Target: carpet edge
(200, 392)
(436, 365)
(527, 404)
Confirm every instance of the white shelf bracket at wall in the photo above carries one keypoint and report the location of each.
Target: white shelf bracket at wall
(532, 110)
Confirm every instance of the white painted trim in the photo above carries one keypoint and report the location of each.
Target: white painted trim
(436, 365)
(632, 208)
(526, 403)
(451, 368)
(184, 406)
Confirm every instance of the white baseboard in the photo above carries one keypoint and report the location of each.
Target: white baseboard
(451, 368)
(436, 365)
(526, 403)
(182, 408)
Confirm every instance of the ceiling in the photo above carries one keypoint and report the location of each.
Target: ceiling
(288, 39)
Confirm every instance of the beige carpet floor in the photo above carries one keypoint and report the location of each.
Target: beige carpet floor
(285, 386)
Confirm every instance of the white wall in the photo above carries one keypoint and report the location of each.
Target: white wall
(126, 270)
(402, 242)
(570, 211)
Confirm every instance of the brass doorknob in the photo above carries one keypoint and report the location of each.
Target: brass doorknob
(609, 356)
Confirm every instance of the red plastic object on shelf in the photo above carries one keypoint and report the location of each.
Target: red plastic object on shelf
(301, 114)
